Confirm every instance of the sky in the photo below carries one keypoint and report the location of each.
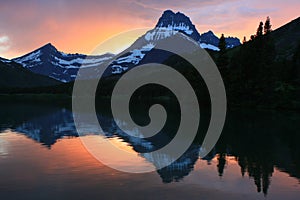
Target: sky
(78, 26)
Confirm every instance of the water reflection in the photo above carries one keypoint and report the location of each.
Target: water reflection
(42, 123)
(259, 141)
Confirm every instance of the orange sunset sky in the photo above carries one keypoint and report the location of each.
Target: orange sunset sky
(78, 26)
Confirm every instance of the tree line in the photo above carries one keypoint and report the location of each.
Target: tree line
(253, 74)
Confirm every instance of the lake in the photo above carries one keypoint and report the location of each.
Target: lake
(42, 157)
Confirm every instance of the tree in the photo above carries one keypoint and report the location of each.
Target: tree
(222, 43)
(254, 60)
(260, 28)
(244, 40)
(222, 61)
(267, 27)
(221, 163)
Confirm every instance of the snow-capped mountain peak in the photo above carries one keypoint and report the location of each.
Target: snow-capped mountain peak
(170, 23)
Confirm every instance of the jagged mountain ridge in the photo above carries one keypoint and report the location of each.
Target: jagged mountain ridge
(48, 61)
(178, 22)
(170, 21)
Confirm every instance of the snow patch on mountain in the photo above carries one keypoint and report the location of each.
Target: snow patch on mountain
(33, 57)
(79, 62)
(177, 27)
(209, 46)
(118, 69)
(134, 57)
(159, 34)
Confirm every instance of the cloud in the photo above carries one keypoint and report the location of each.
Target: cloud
(4, 45)
(3, 39)
(72, 25)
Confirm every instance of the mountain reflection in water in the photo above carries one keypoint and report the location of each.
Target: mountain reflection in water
(258, 141)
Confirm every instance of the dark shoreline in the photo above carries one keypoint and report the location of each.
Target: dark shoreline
(65, 99)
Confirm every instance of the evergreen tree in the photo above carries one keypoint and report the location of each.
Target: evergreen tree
(254, 62)
(260, 28)
(222, 44)
(221, 163)
(222, 61)
(244, 40)
(267, 27)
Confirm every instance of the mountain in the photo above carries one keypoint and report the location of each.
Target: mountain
(48, 61)
(13, 75)
(210, 38)
(170, 23)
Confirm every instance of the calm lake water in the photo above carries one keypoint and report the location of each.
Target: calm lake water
(42, 157)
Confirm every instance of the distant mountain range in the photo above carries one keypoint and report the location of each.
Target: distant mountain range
(48, 61)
